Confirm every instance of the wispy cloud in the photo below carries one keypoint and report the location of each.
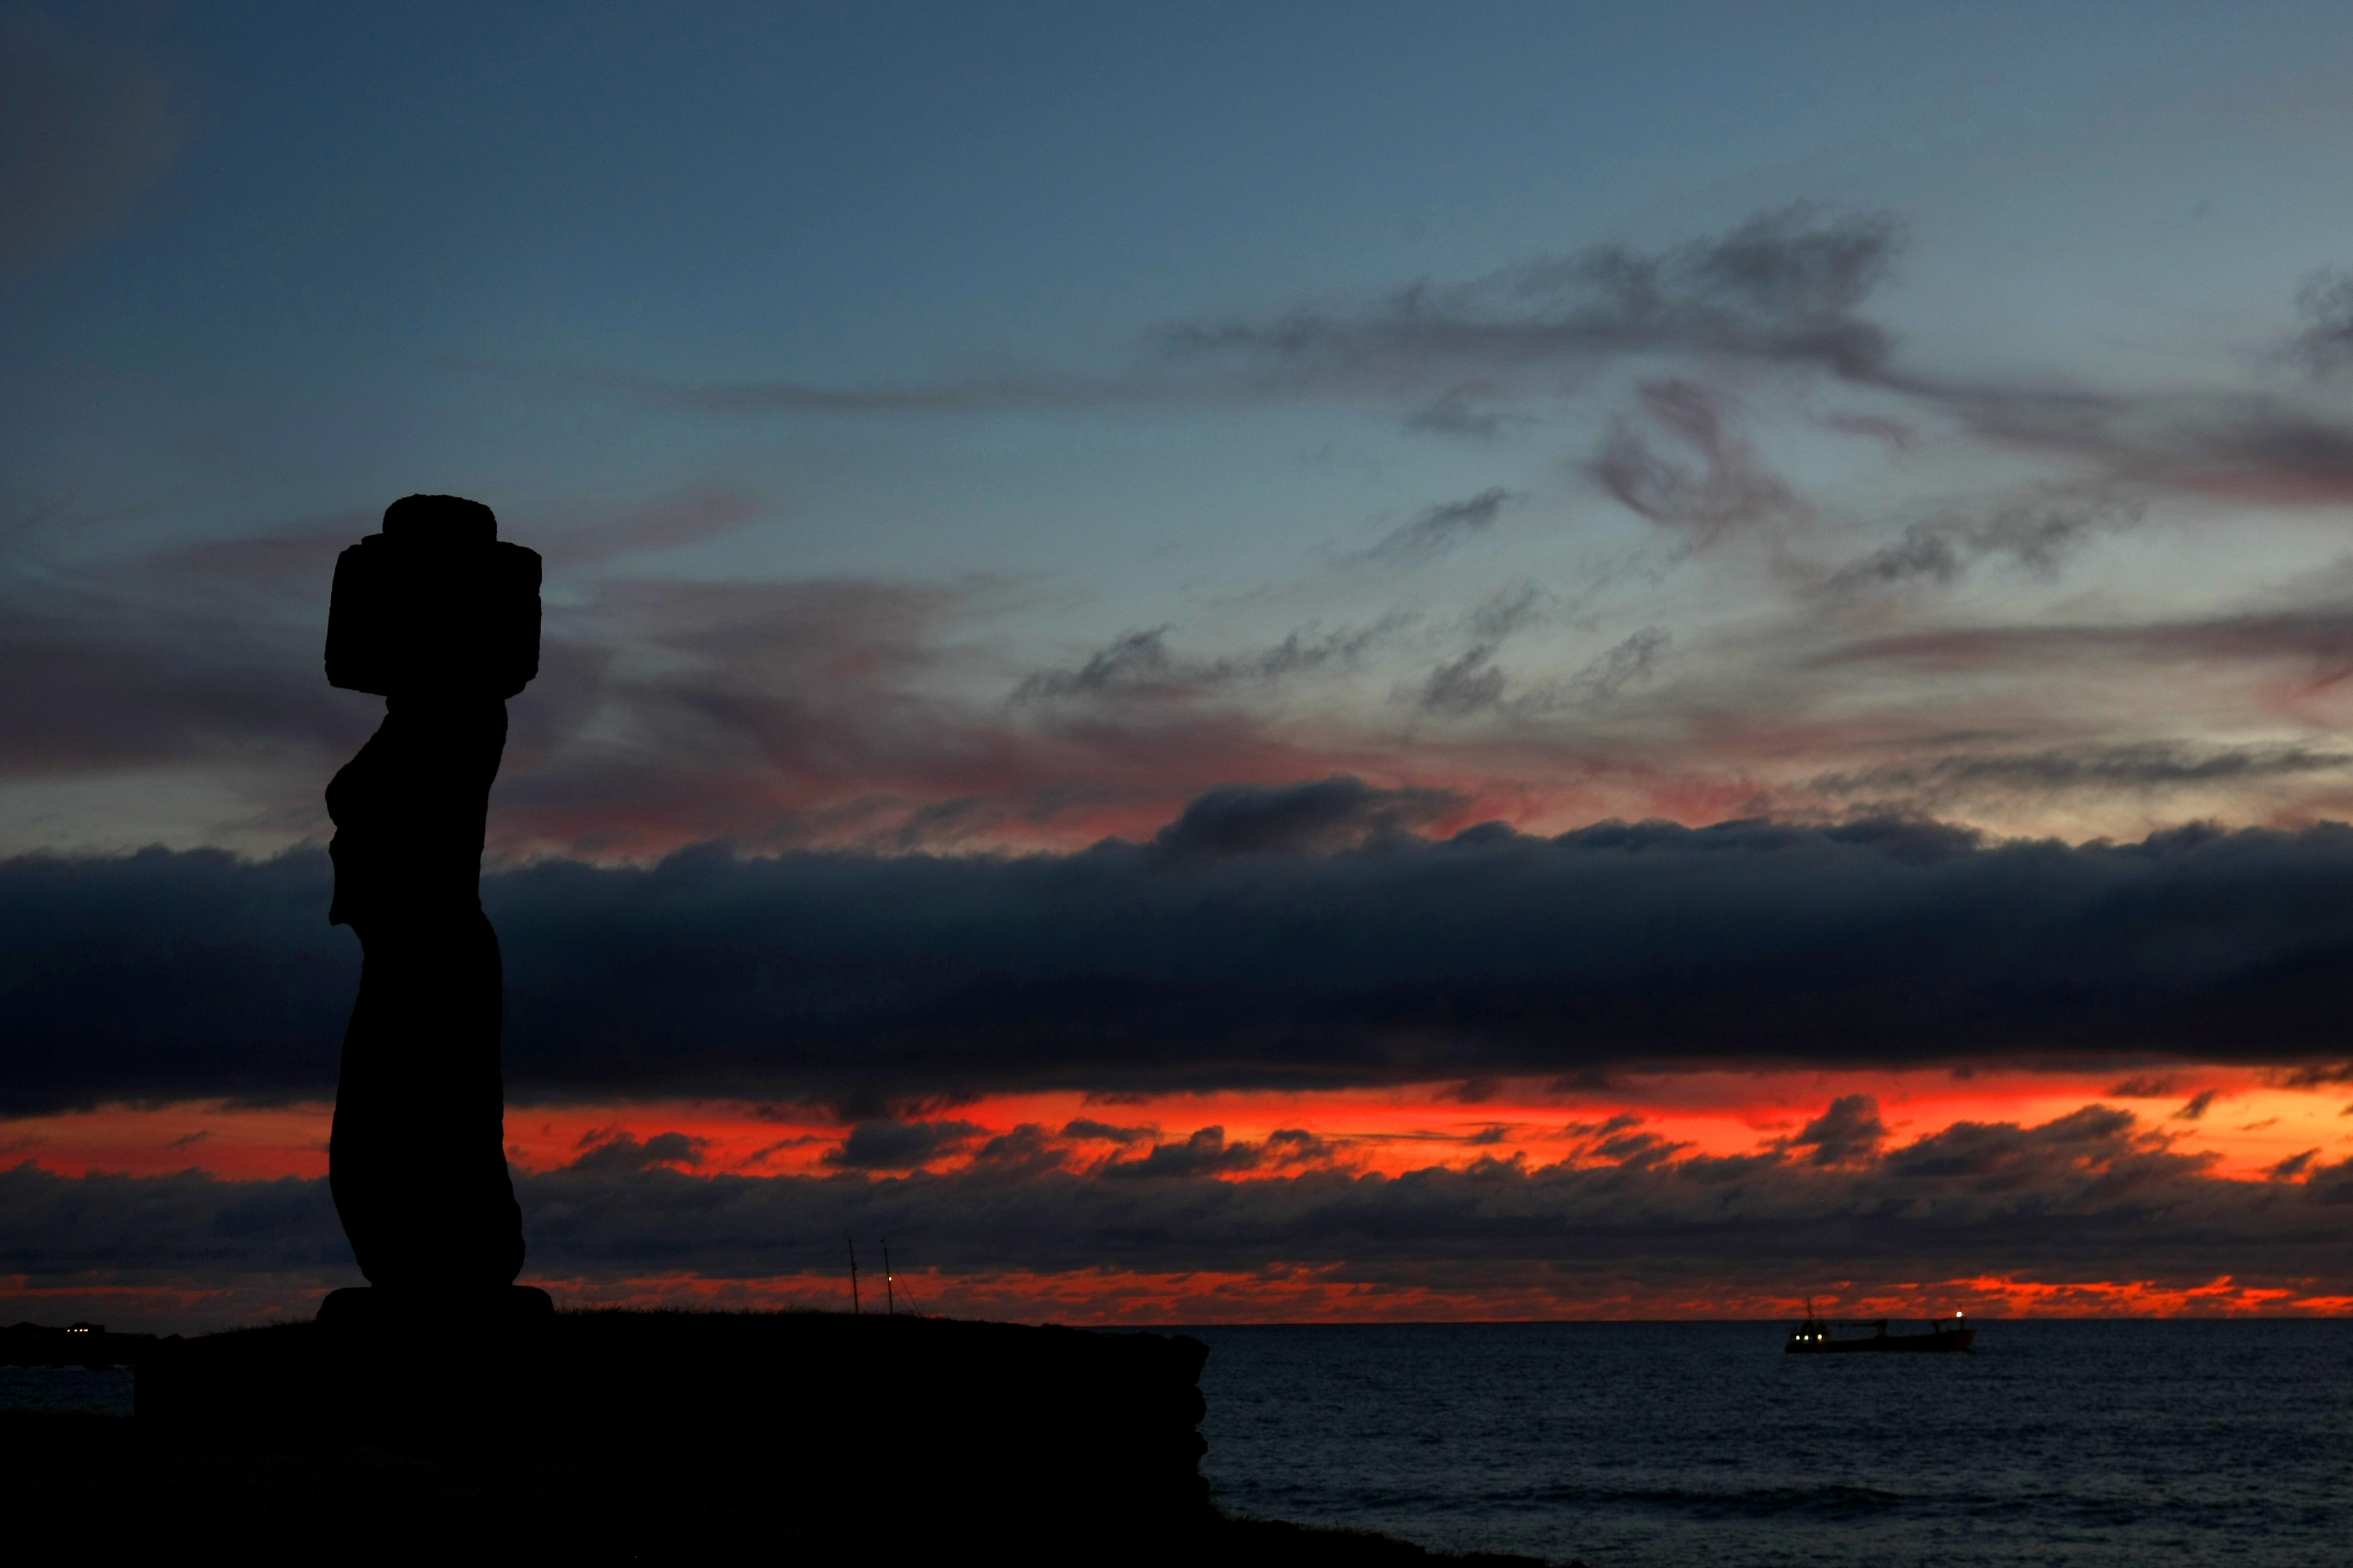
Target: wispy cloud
(1435, 530)
(2142, 766)
(2036, 535)
(1730, 490)
(1140, 665)
(1782, 288)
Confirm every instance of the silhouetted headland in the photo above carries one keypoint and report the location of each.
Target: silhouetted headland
(440, 619)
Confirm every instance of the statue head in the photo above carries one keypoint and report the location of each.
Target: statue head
(435, 604)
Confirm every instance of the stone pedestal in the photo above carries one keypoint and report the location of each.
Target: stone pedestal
(1016, 1428)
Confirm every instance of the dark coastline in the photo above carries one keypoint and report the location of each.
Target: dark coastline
(101, 1487)
(615, 1436)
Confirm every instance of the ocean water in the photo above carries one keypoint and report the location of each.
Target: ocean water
(1703, 1445)
(66, 1390)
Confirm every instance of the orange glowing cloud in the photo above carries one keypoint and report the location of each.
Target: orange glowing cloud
(2247, 1120)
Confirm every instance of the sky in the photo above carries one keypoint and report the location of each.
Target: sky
(1212, 663)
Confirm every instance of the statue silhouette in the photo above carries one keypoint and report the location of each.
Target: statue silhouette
(438, 617)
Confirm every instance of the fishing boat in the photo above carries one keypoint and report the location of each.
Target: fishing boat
(1819, 1336)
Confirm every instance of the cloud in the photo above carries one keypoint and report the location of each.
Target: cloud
(1299, 936)
(1318, 818)
(1785, 290)
(900, 1146)
(1462, 411)
(1730, 490)
(670, 522)
(1027, 1151)
(1205, 1154)
(2294, 1167)
(1435, 530)
(1471, 682)
(2325, 302)
(1468, 683)
(1629, 662)
(1781, 288)
(1139, 666)
(2144, 767)
(2195, 1109)
(2313, 1075)
(2274, 447)
(86, 126)
(2317, 643)
(1850, 1130)
(2090, 1197)
(615, 1150)
(2036, 535)
(122, 685)
(775, 714)
(1103, 1132)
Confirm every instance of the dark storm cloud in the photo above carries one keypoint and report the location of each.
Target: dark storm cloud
(1301, 936)
(2094, 1195)
(1434, 530)
(159, 976)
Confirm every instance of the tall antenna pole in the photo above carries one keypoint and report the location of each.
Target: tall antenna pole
(854, 1307)
(890, 1294)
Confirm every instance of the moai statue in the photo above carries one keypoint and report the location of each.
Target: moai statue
(441, 619)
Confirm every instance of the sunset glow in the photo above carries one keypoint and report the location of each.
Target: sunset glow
(2238, 1117)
